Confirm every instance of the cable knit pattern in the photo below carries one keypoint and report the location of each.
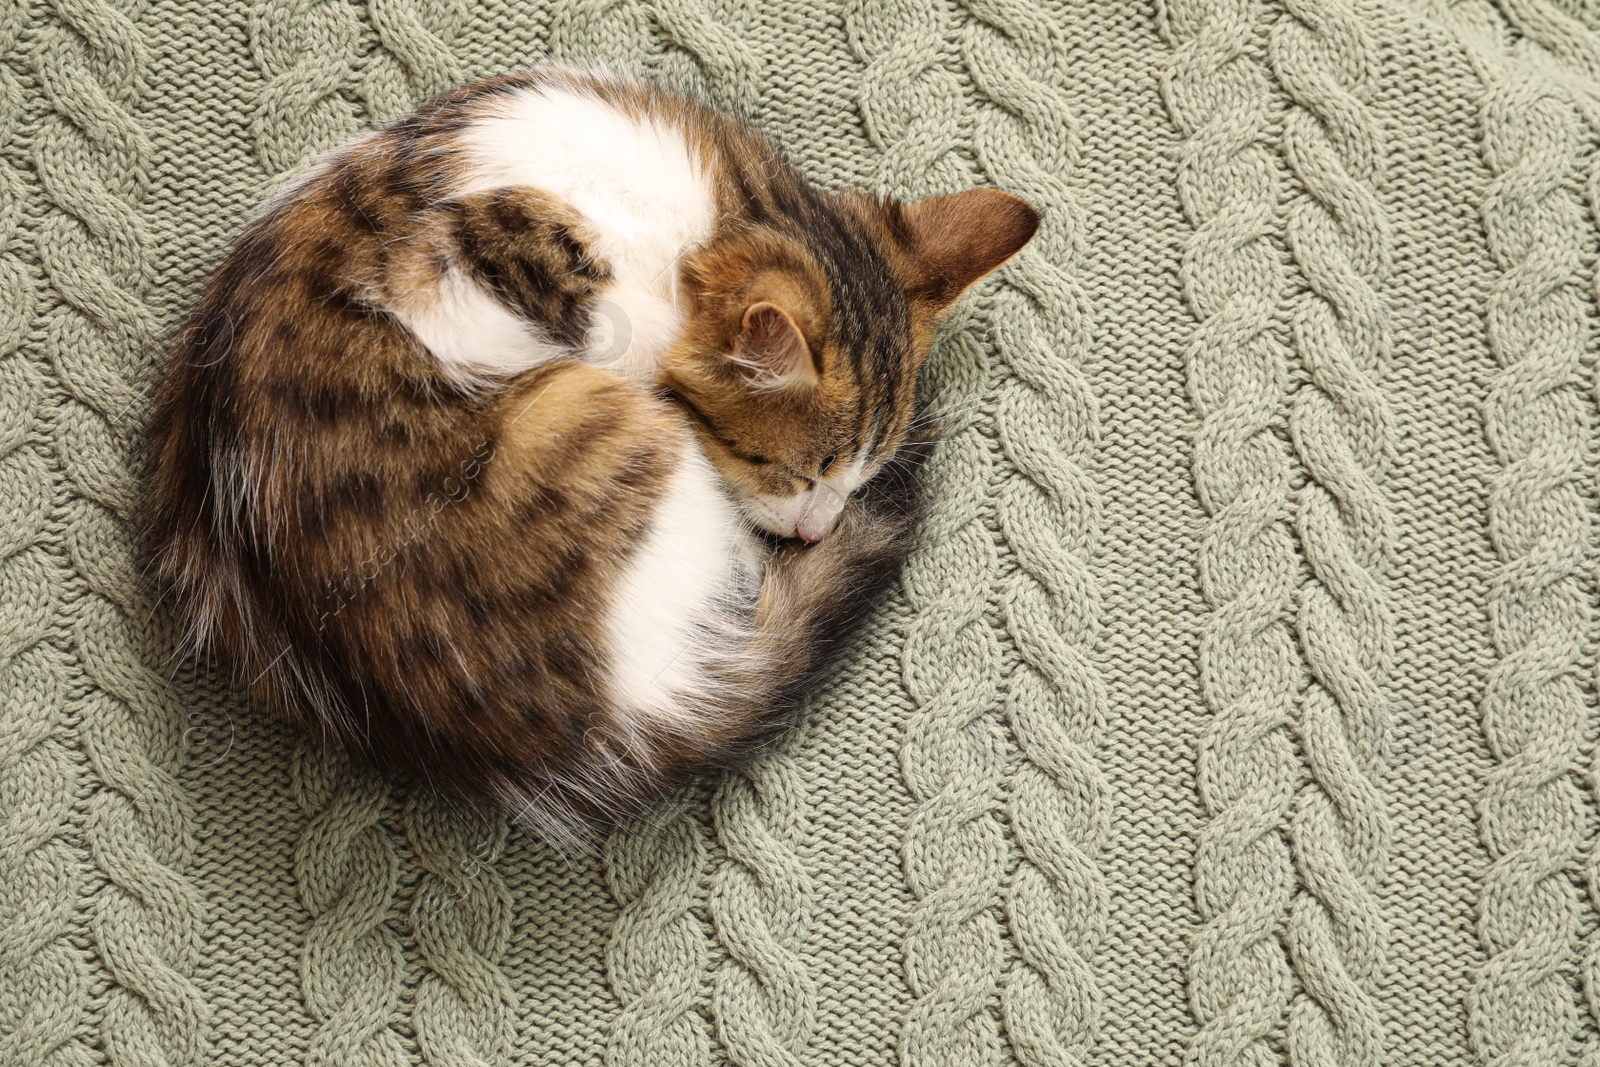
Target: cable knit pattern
(461, 916)
(1589, 966)
(1341, 424)
(911, 104)
(954, 849)
(1048, 511)
(1239, 704)
(415, 61)
(346, 870)
(658, 951)
(1521, 1008)
(1556, 32)
(16, 313)
(92, 159)
(43, 1000)
(763, 999)
(611, 31)
(730, 71)
(43, 997)
(1233, 280)
(147, 921)
(305, 49)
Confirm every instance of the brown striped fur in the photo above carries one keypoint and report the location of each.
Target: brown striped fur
(418, 563)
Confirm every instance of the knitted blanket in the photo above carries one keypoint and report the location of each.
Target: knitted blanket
(1240, 707)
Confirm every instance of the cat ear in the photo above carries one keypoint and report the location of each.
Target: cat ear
(958, 239)
(772, 349)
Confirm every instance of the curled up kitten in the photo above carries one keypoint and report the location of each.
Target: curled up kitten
(492, 447)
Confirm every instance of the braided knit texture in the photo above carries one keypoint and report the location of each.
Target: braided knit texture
(1234, 282)
(658, 954)
(1533, 814)
(1341, 425)
(43, 1002)
(1027, 139)
(1239, 706)
(461, 915)
(145, 920)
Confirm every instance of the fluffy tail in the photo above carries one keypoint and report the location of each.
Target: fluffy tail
(813, 597)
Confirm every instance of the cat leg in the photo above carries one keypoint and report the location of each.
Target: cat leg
(536, 255)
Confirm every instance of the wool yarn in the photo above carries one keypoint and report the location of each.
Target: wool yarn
(1239, 707)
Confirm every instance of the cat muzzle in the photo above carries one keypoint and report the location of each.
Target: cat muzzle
(824, 505)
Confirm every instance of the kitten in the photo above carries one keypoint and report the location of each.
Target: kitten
(492, 446)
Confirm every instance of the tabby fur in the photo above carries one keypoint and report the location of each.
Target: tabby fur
(400, 482)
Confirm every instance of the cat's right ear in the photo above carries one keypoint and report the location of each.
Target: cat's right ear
(772, 349)
(956, 240)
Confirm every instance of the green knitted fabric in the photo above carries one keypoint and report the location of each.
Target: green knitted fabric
(1240, 709)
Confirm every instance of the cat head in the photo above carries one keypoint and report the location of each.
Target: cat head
(800, 360)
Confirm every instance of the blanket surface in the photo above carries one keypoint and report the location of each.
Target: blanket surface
(1239, 708)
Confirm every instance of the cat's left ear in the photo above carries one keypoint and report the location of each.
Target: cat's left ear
(956, 240)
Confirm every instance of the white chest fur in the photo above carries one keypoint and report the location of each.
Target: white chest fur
(641, 189)
(675, 612)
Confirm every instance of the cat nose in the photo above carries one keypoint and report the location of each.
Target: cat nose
(823, 508)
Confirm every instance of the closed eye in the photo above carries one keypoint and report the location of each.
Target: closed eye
(827, 462)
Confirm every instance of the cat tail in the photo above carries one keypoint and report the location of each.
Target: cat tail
(814, 597)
